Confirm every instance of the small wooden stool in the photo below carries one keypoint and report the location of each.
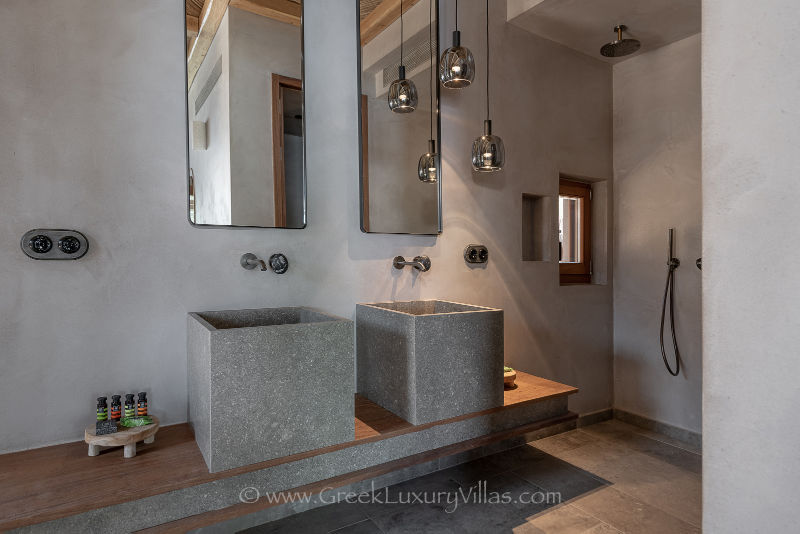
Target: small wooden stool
(124, 437)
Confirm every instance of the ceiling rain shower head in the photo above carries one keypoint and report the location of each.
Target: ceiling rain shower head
(620, 47)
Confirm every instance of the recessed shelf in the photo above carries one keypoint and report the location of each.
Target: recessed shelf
(536, 227)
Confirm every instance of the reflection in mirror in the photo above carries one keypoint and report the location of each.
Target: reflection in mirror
(400, 190)
(245, 111)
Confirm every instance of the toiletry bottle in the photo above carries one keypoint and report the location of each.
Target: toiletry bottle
(141, 405)
(102, 409)
(116, 407)
(130, 405)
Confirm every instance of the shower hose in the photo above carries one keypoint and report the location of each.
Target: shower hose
(668, 292)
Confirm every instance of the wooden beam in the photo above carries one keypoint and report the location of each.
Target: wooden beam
(382, 17)
(286, 11)
(192, 26)
(210, 19)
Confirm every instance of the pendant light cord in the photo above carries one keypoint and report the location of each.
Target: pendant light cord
(401, 33)
(456, 15)
(487, 60)
(430, 52)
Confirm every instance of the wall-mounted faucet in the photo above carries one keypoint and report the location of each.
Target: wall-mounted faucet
(250, 261)
(421, 263)
(277, 262)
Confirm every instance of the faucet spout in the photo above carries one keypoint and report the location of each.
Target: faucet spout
(250, 261)
(420, 263)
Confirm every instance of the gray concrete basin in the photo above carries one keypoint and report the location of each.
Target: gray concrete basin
(268, 383)
(429, 360)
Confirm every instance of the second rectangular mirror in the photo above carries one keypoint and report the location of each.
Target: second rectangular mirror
(400, 194)
(245, 104)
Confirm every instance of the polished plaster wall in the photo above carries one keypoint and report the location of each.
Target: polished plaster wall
(751, 246)
(93, 137)
(657, 172)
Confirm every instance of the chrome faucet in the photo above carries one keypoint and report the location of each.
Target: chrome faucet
(421, 263)
(277, 262)
(250, 261)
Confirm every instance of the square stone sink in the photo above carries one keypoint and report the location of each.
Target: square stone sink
(428, 360)
(268, 383)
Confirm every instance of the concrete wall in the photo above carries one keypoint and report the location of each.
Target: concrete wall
(93, 136)
(751, 248)
(656, 187)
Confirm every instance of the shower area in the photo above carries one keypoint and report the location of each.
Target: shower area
(657, 229)
(652, 48)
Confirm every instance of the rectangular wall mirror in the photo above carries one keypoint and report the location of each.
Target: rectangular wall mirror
(245, 114)
(394, 199)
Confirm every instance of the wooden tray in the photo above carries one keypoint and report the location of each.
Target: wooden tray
(124, 437)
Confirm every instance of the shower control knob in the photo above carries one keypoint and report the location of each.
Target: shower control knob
(278, 263)
(69, 244)
(40, 244)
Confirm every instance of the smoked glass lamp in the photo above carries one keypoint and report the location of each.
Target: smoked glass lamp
(402, 93)
(428, 168)
(456, 66)
(488, 152)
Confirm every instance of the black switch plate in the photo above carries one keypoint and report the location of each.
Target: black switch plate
(476, 254)
(52, 244)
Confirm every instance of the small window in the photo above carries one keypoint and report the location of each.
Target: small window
(574, 232)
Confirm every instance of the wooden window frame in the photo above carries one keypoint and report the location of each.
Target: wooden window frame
(278, 164)
(578, 273)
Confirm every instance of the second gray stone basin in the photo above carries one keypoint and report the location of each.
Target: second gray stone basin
(269, 382)
(428, 360)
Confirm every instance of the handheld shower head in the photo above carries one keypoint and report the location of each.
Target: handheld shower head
(620, 47)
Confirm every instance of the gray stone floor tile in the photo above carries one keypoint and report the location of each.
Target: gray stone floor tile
(563, 442)
(565, 519)
(556, 475)
(633, 438)
(317, 521)
(631, 515)
(362, 527)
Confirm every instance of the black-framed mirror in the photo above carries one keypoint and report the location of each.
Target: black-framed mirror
(399, 194)
(245, 118)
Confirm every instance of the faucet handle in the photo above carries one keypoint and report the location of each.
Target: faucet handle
(424, 261)
(279, 263)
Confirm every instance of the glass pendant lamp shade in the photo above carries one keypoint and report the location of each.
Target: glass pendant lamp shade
(428, 168)
(403, 96)
(488, 152)
(456, 66)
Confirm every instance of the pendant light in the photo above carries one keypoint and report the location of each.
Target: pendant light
(457, 66)
(402, 92)
(488, 152)
(427, 170)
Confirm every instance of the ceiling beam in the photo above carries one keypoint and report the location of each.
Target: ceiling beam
(210, 19)
(192, 26)
(286, 11)
(382, 17)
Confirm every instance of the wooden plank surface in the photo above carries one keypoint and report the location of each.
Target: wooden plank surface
(210, 19)
(382, 17)
(61, 480)
(287, 11)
